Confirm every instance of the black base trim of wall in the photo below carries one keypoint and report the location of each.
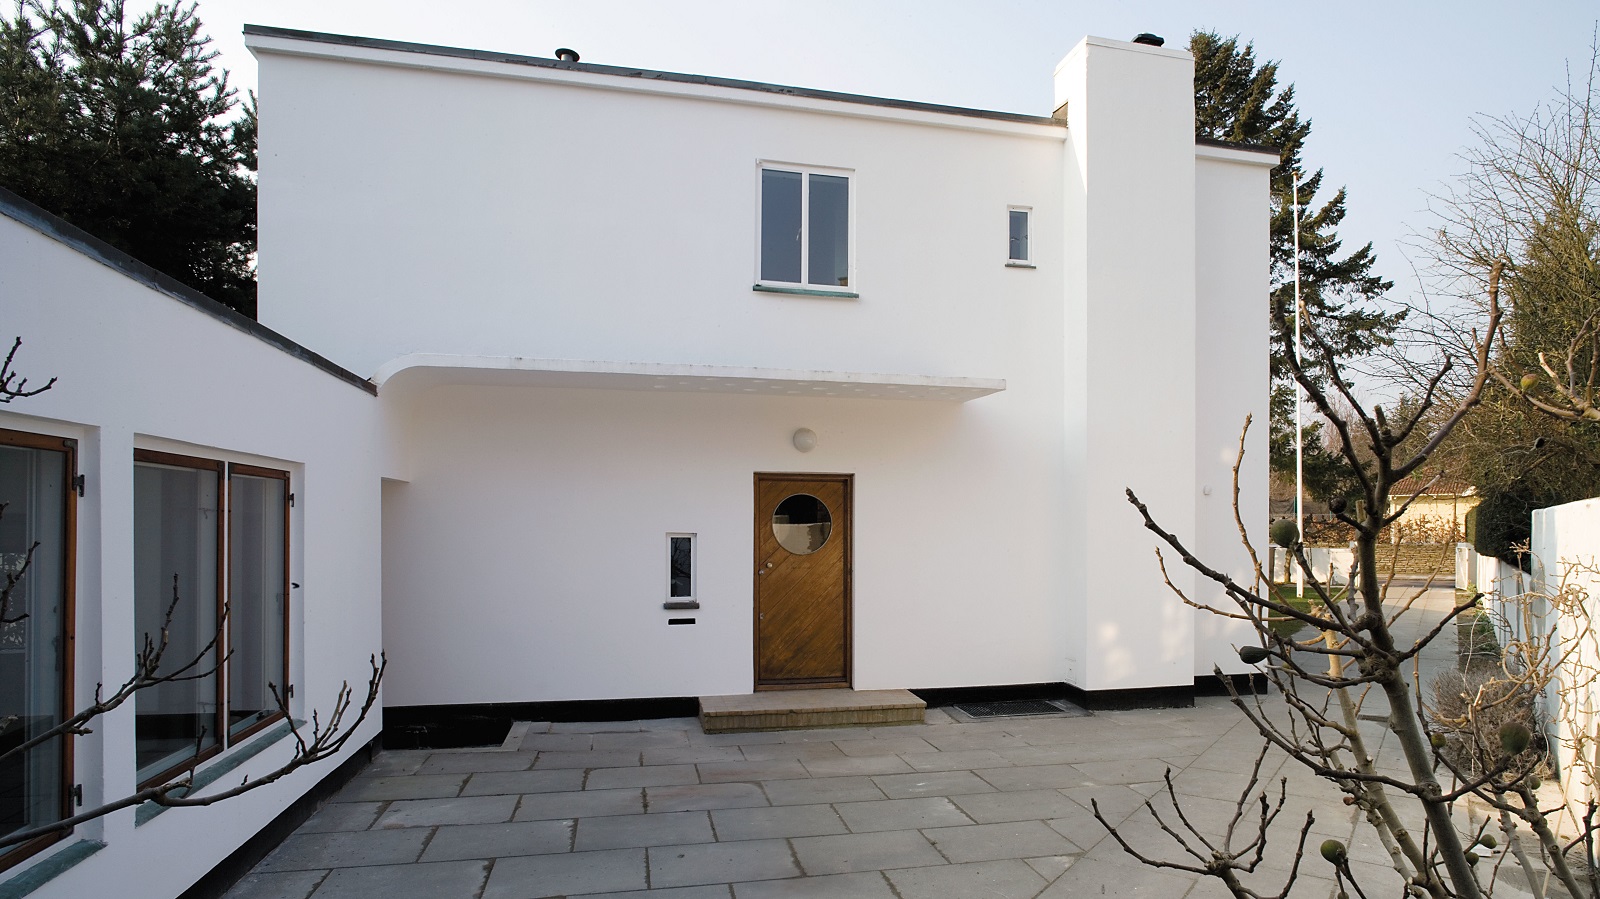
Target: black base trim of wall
(230, 870)
(1243, 684)
(1174, 697)
(938, 696)
(447, 726)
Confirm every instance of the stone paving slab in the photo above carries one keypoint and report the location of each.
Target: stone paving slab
(901, 814)
(627, 831)
(429, 879)
(513, 783)
(721, 862)
(537, 876)
(1009, 879)
(436, 812)
(779, 822)
(466, 841)
(865, 852)
(942, 809)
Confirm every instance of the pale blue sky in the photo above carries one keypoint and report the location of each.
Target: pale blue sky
(1391, 87)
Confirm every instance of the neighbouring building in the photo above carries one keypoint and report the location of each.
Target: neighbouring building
(575, 382)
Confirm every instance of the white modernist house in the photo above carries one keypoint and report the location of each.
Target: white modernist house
(576, 383)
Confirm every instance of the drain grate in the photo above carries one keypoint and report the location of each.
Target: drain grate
(1017, 708)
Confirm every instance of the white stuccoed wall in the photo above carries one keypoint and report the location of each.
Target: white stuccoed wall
(1130, 356)
(140, 369)
(1566, 558)
(1230, 384)
(533, 212)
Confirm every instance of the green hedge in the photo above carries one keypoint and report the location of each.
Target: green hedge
(1503, 520)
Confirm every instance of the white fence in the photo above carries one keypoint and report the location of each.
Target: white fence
(1563, 602)
(1330, 565)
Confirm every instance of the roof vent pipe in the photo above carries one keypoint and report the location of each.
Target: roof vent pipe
(566, 55)
(1154, 40)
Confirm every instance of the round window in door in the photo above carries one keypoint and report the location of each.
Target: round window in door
(802, 524)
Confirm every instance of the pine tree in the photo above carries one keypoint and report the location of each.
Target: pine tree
(1239, 101)
(121, 128)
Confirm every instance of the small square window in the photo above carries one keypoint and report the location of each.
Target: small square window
(680, 571)
(1019, 251)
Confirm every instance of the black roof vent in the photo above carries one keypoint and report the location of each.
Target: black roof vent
(567, 55)
(1154, 40)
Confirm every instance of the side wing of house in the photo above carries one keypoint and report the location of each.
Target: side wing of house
(222, 467)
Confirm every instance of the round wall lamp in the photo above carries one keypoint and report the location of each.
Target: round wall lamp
(805, 440)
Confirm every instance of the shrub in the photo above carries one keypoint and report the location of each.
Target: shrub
(1504, 521)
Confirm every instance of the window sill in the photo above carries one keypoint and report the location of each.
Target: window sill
(807, 292)
(681, 604)
(49, 869)
(213, 773)
(1015, 264)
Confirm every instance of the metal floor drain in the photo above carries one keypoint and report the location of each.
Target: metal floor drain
(1018, 708)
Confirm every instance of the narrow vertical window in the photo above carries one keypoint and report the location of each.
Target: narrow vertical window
(258, 595)
(36, 559)
(1019, 235)
(680, 567)
(177, 526)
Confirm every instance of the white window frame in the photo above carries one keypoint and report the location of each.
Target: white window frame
(692, 601)
(802, 286)
(1026, 261)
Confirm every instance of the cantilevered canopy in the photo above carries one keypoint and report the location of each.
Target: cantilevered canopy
(422, 370)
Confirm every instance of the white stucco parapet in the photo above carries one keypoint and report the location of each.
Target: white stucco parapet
(441, 59)
(433, 369)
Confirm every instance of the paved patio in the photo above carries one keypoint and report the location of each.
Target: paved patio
(942, 809)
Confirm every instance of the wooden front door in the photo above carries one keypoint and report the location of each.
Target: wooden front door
(802, 581)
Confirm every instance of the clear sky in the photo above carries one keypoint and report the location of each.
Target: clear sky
(1391, 87)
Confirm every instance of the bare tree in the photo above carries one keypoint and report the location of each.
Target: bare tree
(12, 385)
(1326, 679)
(325, 738)
(1531, 195)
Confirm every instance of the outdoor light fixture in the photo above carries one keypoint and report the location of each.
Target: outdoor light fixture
(805, 440)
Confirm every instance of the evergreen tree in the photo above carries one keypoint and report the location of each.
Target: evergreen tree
(122, 129)
(1239, 101)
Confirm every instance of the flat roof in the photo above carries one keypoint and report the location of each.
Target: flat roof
(645, 74)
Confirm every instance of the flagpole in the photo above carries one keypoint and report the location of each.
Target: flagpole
(1299, 433)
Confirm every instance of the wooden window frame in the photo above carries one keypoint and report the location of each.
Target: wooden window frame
(225, 471)
(283, 685)
(220, 723)
(69, 582)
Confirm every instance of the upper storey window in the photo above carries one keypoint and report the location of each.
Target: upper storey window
(805, 228)
(1019, 253)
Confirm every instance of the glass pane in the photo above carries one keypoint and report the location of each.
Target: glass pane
(830, 231)
(780, 226)
(681, 584)
(257, 595)
(802, 524)
(175, 512)
(1019, 235)
(33, 487)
